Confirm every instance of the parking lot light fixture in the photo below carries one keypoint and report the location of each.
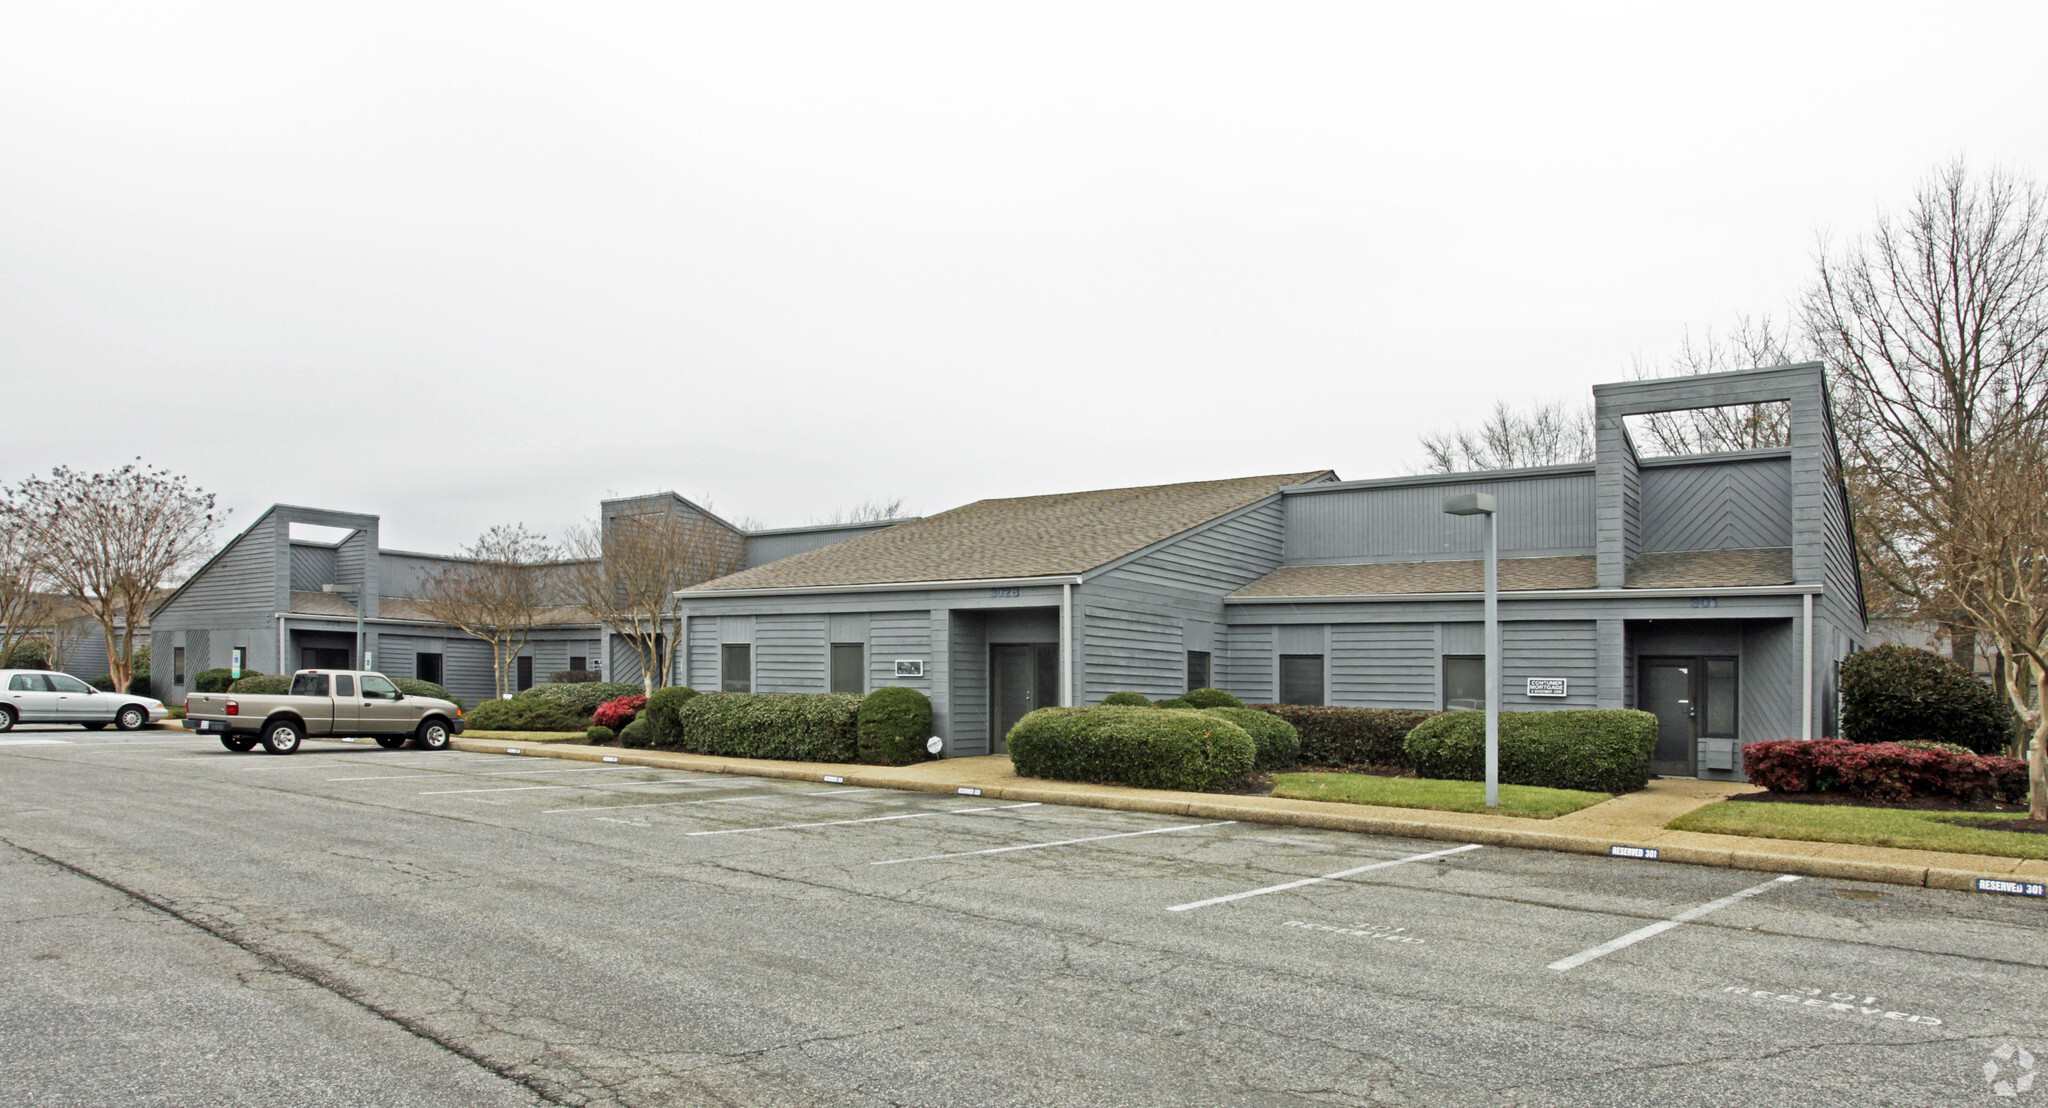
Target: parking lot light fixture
(1484, 504)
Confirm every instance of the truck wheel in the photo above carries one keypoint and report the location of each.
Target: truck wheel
(282, 737)
(238, 743)
(432, 735)
(131, 718)
(391, 742)
(6, 718)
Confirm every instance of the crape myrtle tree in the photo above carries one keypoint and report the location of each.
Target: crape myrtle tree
(107, 544)
(496, 591)
(625, 571)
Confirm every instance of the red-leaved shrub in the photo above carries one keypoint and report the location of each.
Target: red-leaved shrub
(1881, 771)
(619, 711)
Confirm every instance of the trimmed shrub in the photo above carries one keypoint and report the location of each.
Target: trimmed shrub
(1882, 771)
(582, 698)
(1210, 698)
(524, 715)
(1127, 700)
(1895, 693)
(619, 711)
(660, 712)
(892, 726)
(262, 685)
(218, 680)
(796, 727)
(1277, 745)
(574, 677)
(637, 733)
(1601, 750)
(104, 682)
(1143, 747)
(598, 736)
(1179, 702)
(27, 655)
(414, 687)
(1939, 748)
(1350, 736)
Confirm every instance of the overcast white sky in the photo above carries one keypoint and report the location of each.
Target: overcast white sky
(467, 264)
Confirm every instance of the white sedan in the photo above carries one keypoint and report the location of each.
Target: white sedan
(38, 696)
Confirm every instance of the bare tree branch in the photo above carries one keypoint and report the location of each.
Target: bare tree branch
(496, 592)
(627, 569)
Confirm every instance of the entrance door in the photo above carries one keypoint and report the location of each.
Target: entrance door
(1023, 677)
(1693, 699)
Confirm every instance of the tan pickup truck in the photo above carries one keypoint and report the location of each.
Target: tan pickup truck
(325, 703)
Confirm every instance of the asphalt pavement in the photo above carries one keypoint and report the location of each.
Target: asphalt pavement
(356, 926)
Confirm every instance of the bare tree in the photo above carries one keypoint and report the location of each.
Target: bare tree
(1753, 342)
(496, 592)
(626, 571)
(108, 543)
(1546, 434)
(1936, 327)
(20, 603)
(868, 511)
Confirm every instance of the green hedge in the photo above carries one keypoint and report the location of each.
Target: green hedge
(1277, 744)
(1127, 700)
(525, 715)
(1350, 736)
(582, 697)
(1898, 694)
(894, 723)
(1143, 747)
(1600, 750)
(660, 712)
(262, 685)
(599, 735)
(796, 727)
(1211, 698)
(412, 686)
(218, 680)
(637, 733)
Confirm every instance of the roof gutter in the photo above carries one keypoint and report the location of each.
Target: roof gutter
(887, 586)
(1535, 594)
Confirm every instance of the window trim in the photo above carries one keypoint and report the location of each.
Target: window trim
(724, 649)
(832, 648)
(1322, 678)
(1443, 684)
(1208, 668)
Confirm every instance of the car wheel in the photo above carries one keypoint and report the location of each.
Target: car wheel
(432, 735)
(391, 742)
(238, 743)
(131, 718)
(282, 737)
(6, 719)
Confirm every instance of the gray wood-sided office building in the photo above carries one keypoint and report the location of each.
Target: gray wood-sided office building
(1718, 591)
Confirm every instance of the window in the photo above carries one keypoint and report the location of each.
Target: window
(736, 667)
(579, 662)
(1301, 679)
(309, 684)
(525, 672)
(377, 688)
(23, 682)
(1720, 698)
(1464, 681)
(344, 685)
(849, 667)
(1198, 669)
(177, 665)
(65, 683)
(427, 667)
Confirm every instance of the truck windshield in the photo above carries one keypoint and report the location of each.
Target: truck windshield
(309, 684)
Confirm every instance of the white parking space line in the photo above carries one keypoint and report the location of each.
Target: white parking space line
(117, 745)
(1062, 842)
(713, 782)
(660, 804)
(842, 792)
(1661, 926)
(493, 773)
(332, 762)
(869, 819)
(37, 742)
(1338, 876)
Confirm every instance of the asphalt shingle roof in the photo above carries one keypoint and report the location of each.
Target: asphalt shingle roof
(1025, 536)
(1706, 569)
(1680, 569)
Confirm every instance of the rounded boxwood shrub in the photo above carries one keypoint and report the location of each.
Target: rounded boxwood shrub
(1175, 702)
(1277, 745)
(796, 727)
(599, 735)
(1143, 747)
(262, 685)
(1894, 693)
(1600, 750)
(412, 686)
(660, 712)
(582, 697)
(619, 711)
(218, 680)
(525, 715)
(1211, 698)
(892, 726)
(637, 733)
(1127, 700)
(1350, 736)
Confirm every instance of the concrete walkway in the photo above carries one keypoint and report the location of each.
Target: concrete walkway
(1637, 819)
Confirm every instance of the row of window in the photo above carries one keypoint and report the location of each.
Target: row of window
(1301, 680)
(848, 668)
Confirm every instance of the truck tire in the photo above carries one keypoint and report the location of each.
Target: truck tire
(433, 734)
(131, 718)
(282, 736)
(238, 743)
(391, 742)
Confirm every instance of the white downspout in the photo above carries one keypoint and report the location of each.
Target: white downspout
(1806, 668)
(281, 647)
(1067, 645)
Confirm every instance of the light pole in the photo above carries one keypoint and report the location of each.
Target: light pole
(1483, 504)
(362, 660)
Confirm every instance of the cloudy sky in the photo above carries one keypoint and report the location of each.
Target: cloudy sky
(460, 264)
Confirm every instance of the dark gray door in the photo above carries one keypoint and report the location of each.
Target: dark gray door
(1023, 677)
(1667, 693)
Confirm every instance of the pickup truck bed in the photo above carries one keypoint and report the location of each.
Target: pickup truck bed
(325, 704)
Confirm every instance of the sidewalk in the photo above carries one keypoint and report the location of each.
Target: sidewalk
(1636, 819)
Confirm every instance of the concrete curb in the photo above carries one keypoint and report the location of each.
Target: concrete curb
(1811, 859)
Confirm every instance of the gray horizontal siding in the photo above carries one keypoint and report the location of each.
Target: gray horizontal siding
(1552, 514)
(1567, 649)
(1383, 665)
(1245, 668)
(1717, 506)
(773, 546)
(789, 654)
(242, 581)
(1132, 651)
(900, 635)
(701, 665)
(967, 729)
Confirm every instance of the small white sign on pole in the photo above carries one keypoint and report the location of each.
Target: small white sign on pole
(1546, 686)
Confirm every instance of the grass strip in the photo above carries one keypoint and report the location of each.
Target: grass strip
(1841, 823)
(525, 736)
(1527, 801)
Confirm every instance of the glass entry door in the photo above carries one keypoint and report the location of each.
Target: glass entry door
(1693, 699)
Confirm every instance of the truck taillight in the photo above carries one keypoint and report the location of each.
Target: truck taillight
(234, 709)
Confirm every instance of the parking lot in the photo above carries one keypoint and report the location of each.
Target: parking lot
(357, 926)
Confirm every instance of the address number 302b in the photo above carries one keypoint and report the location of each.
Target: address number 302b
(1003, 594)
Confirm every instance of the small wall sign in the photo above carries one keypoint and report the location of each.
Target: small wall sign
(934, 744)
(1546, 686)
(2011, 888)
(1005, 594)
(909, 667)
